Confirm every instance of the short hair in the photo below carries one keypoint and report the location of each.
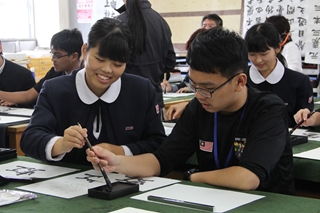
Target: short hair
(113, 39)
(67, 40)
(280, 23)
(213, 17)
(263, 36)
(218, 50)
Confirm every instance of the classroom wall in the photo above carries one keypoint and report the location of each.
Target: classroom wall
(183, 17)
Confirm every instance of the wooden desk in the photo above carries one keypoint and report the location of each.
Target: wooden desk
(15, 132)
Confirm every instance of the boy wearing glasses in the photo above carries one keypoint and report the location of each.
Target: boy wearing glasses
(65, 51)
(240, 134)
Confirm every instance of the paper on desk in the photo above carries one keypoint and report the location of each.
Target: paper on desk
(20, 111)
(317, 102)
(23, 169)
(147, 183)
(71, 186)
(11, 119)
(313, 154)
(176, 95)
(131, 210)
(222, 200)
(315, 136)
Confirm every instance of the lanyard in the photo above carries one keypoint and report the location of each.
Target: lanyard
(215, 140)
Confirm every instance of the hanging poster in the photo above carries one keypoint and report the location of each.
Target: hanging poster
(84, 11)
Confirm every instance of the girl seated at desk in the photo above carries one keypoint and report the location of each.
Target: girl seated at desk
(118, 111)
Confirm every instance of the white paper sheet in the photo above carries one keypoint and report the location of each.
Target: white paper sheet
(23, 169)
(315, 136)
(10, 119)
(16, 111)
(222, 200)
(313, 154)
(131, 210)
(146, 183)
(176, 95)
(71, 186)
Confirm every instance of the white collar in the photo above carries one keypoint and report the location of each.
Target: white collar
(274, 77)
(88, 97)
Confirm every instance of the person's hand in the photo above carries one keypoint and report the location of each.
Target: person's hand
(73, 137)
(7, 103)
(165, 85)
(107, 159)
(302, 114)
(118, 150)
(184, 89)
(175, 110)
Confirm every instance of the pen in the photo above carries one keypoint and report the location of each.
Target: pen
(182, 203)
(301, 122)
(100, 167)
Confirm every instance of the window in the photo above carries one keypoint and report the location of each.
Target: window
(16, 19)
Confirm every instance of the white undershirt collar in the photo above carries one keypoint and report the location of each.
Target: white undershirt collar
(88, 97)
(274, 77)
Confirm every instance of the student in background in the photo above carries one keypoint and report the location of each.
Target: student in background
(289, 49)
(152, 53)
(268, 72)
(14, 77)
(181, 87)
(240, 134)
(211, 20)
(66, 51)
(302, 114)
(117, 110)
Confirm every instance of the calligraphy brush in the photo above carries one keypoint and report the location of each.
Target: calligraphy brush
(301, 122)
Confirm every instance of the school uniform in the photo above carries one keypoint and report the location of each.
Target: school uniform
(293, 88)
(126, 114)
(14, 77)
(254, 137)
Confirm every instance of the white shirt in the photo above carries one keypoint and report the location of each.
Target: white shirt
(292, 54)
(274, 77)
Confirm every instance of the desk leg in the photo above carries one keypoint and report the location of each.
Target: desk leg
(14, 142)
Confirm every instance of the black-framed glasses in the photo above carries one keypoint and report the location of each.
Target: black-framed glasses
(204, 92)
(57, 57)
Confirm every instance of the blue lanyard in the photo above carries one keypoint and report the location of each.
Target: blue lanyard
(215, 140)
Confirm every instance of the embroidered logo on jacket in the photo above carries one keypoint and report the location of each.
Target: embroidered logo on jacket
(239, 145)
(157, 108)
(129, 128)
(205, 145)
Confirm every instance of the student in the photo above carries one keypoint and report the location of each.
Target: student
(181, 87)
(268, 72)
(302, 114)
(289, 49)
(240, 134)
(66, 51)
(13, 77)
(118, 111)
(152, 53)
(211, 20)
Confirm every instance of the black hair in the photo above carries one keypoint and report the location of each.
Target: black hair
(67, 40)
(280, 23)
(218, 50)
(214, 17)
(113, 38)
(137, 25)
(263, 36)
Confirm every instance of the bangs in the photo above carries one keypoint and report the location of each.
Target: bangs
(115, 47)
(257, 43)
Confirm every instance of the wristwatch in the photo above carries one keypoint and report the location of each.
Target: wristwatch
(186, 174)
